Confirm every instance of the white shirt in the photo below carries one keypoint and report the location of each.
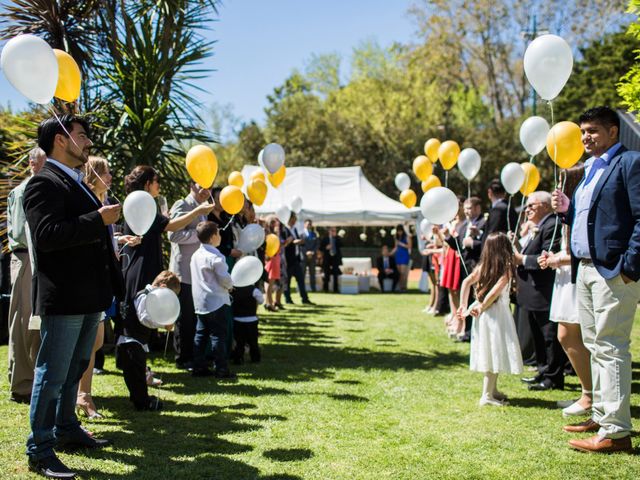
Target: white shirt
(210, 280)
(140, 303)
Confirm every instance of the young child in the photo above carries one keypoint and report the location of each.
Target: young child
(494, 341)
(245, 322)
(210, 284)
(132, 345)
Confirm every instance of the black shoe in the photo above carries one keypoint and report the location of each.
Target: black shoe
(16, 397)
(307, 302)
(544, 386)
(202, 372)
(184, 365)
(80, 439)
(51, 467)
(532, 380)
(154, 404)
(288, 302)
(225, 375)
(280, 306)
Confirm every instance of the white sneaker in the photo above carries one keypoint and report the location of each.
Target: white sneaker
(494, 402)
(575, 410)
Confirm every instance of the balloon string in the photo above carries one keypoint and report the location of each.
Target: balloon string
(455, 239)
(468, 188)
(446, 178)
(555, 226)
(524, 197)
(53, 111)
(555, 148)
(509, 210)
(228, 223)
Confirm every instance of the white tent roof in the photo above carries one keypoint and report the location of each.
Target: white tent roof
(334, 196)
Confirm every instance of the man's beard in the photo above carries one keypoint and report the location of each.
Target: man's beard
(82, 157)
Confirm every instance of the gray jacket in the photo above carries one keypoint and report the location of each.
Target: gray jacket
(184, 242)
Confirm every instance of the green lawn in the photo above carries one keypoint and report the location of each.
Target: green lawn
(357, 387)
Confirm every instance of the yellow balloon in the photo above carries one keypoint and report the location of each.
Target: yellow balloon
(231, 199)
(431, 147)
(202, 165)
(272, 245)
(408, 198)
(448, 154)
(422, 167)
(564, 144)
(69, 77)
(277, 178)
(235, 178)
(531, 178)
(257, 191)
(430, 183)
(258, 174)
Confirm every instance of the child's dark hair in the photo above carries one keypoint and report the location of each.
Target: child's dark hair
(205, 230)
(496, 260)
(167, 279)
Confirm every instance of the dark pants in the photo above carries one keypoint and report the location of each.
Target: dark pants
(330, 269)
(550, 356)
(395, 276)
(132, 359)
(309, 263)
(525, 337)
(294, 270)
(246, 333)
(212, 327)
(185, 330)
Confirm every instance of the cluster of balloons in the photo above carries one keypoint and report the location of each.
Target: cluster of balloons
(40, 72)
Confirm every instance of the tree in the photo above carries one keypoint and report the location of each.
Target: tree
(629, 87)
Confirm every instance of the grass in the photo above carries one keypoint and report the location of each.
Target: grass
(357, 387)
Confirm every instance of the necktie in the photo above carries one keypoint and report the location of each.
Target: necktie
(386, 262)
(333, 246)
(598, 164)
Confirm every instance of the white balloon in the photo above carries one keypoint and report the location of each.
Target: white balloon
(139, 210)
(163, 306)
(533, 134)
(251, 237)
(469, 163)
(439, 205)
(512, 177)
(273, 157)
(403, 181)
(296, 204)
(363, 237)
(341, 233)
(246, 271)
(284, 214)
(425, 227)
(383, 232)
(548, 62)
(31, 67)
(260, 162)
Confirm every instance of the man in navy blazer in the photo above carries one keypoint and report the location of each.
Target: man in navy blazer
(75, 277)
(604, 215)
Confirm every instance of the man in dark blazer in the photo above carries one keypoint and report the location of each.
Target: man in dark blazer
(293, 242)
(604, 215)
(535, 288)
(330, 246)
(75, 277)
(501, 218)
(387, 268)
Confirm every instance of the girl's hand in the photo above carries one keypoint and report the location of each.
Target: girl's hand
(461, 311)
(476, 310)
(131, 240)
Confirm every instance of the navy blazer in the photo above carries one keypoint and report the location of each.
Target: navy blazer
(613, 222)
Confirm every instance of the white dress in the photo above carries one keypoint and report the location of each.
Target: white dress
(564, 307)
(494, 341)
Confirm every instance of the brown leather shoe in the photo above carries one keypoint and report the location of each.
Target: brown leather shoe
(582, 427)
(598, 444)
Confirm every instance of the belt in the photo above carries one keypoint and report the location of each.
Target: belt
(586, 261)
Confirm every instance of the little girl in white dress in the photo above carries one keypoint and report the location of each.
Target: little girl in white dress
(494, 341)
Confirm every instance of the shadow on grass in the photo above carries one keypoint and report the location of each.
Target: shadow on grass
(184, 441)
(288, 454)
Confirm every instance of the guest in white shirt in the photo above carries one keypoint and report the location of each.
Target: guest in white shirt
(210, 285)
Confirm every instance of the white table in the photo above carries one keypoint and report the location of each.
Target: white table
(360, 265)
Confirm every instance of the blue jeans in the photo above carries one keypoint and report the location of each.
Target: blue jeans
(211, 326)
(65, 351)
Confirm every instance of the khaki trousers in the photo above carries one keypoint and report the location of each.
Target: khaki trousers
(606, 310)
(23, 343)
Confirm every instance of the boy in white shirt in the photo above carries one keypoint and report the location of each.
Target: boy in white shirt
(210, 286)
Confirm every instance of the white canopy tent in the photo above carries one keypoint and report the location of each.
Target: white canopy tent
(334, 196)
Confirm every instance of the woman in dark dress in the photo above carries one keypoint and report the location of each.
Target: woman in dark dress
(143, 262)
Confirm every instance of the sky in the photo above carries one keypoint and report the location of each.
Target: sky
(260, 42)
